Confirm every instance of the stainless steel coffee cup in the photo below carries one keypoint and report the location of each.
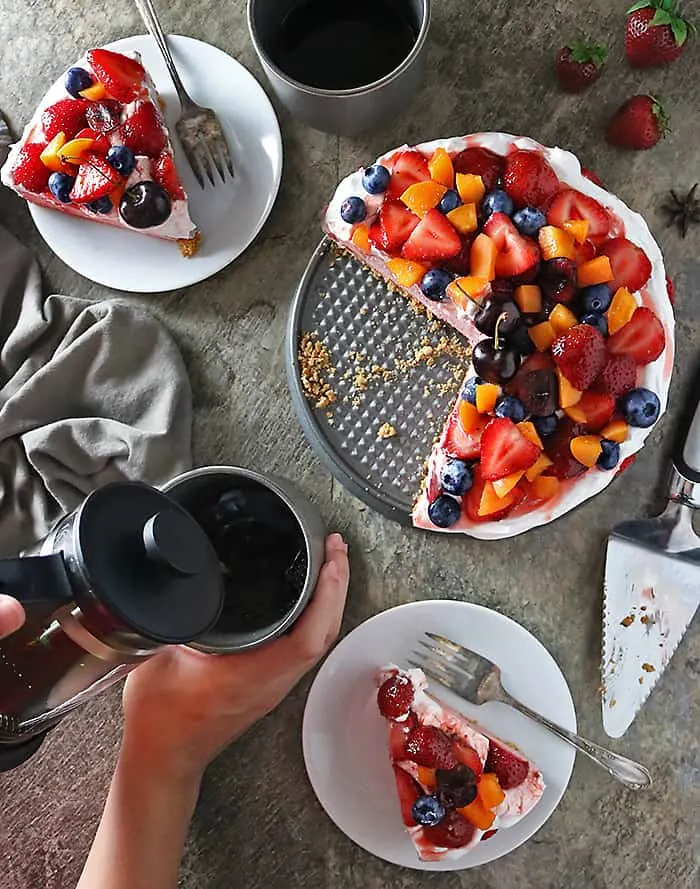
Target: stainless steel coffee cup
(198, 491)
(344, 112)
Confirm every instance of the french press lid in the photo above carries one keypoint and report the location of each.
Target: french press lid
(148, 562)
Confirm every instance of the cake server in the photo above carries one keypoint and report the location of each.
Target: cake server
(652, 587)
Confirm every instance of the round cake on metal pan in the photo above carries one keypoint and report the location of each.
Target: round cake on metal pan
(561, 290)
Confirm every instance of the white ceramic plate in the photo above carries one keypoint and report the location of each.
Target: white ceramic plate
(229, 216)
(344, 737)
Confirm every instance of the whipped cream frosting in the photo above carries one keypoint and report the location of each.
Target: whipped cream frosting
(518, 800)
(177, 226)
(655, 376)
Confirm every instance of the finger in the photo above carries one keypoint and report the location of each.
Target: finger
(11, 615)
(319, 625)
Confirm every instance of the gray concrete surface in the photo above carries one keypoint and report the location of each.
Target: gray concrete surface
(258, 823)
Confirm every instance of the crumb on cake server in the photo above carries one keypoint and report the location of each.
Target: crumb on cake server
(98, 148)
(457, 784)
(560, 289)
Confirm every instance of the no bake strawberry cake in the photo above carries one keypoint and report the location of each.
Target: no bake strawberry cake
(457, 784)
(98, 148)
(561, 291)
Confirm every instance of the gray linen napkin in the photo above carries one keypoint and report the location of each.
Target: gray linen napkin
(89, 393)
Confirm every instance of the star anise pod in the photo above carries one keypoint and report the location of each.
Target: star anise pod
(683, 211)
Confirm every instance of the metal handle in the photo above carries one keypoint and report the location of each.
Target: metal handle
(685, 479)
(36, 580)
(150, 17)
(630, 773)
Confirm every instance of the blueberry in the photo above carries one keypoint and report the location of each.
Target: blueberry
(529, 221)
(456, 477)
(511, 408)
(546, 426)
(444, 511)
(427, 811)
(610, 455)
(101, 205)
(434, 283)
(77, 79)
(353, 210)
(496, 201)
(375, 179)
(60, 185)
(597, 321)
(469, 390)
(450, 201)
(640, 407)
(122, 159)
(596, 298)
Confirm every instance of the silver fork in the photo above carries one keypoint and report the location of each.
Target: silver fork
(198, 128)
(478, 680)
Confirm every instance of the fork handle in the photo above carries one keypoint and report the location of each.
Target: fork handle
(630, 773)
(150, 18)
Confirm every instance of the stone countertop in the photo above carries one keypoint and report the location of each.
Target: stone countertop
(258, 823)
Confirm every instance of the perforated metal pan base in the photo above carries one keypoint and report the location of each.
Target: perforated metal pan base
(364, 324)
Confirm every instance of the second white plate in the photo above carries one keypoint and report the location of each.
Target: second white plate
(344, 737)
(229, 216)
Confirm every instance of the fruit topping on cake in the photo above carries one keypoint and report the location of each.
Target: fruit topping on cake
(102, 151)
(552, 282)
(456, 783)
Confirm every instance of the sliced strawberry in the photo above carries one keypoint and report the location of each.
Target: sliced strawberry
(142, 131)
(104, 116)
(642, 338)
(408, 791)
(453, 832)
(629, 263)
(593, 410)
(398, 735)
(585, 252)
(122, 76)
(408, 168)
(557, 448)
(472, 500)
(516, 253)
(593, 177)
(395, 224)
(505, 450)
(529, 179)
(96, 178)
(618, 376)
(580, 354)
(460, 444)
(65, 116)
(165, 173)
(434, 238)
(510, 768)
(28, 170)
(570, 204)
(481, 162)
(429, 746)
(102, 143)
(468, 757)
(395, 697)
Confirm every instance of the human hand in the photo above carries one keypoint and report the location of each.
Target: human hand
(182, 708)
(11, 615)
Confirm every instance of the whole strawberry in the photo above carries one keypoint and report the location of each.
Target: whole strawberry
(640, 123)
(579, 65)
(655, 33)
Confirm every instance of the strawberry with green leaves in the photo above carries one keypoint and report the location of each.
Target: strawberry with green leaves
(638, 124)
(656, 33)
(579, 65)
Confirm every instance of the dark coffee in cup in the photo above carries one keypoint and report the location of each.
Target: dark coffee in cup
(343, 45)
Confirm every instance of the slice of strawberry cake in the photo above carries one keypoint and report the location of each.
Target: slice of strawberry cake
(457, 784)
(98, 148)
(560, 289)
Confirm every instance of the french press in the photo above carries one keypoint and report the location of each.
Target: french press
(126, 573)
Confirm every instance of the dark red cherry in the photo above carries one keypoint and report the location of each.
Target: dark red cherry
(491, 311)
(495, 365)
